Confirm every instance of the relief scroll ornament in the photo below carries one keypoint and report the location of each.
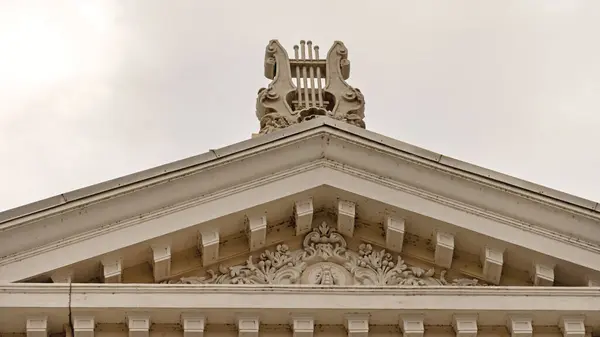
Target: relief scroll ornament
(325, 259)
(306, 87)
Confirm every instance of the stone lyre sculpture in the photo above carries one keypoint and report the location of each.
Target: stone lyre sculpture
(307, 87)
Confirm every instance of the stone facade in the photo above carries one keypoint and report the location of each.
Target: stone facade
(314, 227)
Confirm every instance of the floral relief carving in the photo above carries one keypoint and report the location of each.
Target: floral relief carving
(273, 122)
(324, 259)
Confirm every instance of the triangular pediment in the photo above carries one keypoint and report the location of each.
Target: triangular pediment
(315, 225)
(475, 224)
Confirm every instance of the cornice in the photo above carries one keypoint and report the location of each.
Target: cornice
(35, 288)
(593, 292)
(343, 299)
(166, 173)
(484, 177)
(587, 253)
(74, 218)
(542, 211)
(484, 213)
(282, 175)
(19, 259)
(241, 289)
(149, 289)
(322, 145)
(420, 155)
(160, 213)
(98, 192)
(273, 304)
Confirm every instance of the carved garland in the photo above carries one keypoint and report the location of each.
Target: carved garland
(325, 259)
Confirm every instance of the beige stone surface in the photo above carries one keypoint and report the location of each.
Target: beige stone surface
(307, 87)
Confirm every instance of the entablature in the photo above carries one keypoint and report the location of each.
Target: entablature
(50, 306)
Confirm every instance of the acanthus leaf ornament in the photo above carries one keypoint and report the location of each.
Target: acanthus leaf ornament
(325, 259)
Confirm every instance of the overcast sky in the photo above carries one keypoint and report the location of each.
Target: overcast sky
(92, 90)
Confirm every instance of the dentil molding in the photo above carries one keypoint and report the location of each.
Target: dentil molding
(325, 259)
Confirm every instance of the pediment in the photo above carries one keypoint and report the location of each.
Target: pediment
(195, 214)
(313, 226)
(326, 258)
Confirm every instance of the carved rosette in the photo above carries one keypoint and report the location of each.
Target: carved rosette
(307, 87)
(324, 259)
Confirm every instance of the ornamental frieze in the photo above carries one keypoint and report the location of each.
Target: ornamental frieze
(325, 259)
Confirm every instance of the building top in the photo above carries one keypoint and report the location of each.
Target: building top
(306, 93)
(325, 124)
(307, 87)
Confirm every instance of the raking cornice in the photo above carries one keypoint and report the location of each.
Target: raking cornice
(65, 201)
(322, 142)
